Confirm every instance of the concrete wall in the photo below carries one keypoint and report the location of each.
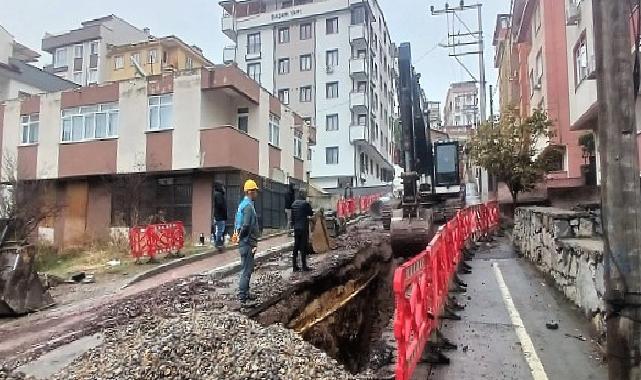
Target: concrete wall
(133, 120)
(186, 123)
(10, 136)
(49, 135)
(568, 248)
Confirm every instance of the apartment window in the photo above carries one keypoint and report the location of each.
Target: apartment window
(539, 66)
(581, 61)
(189, 63)
(253, 43)
(378, 172)
(93, 48)
(305, 31)
(331, 122)
(119, 62)
(274, 131)
(93, 76)
(283, 35)
(331, 155)
(160, 112)
(283, 96)
(29, 125)
(361, 119)
(360, 53)
(135, 57)
(152, 56)
(371, 166)
(77, 77)
(331, 58)
(253, 70)
(305, 62)
(306, 94)
(361, 86)
(90, 122)
(331, 90)
(283, 66)
(298, 144)
(331, 25)
(243, 119)
(358, 15)
(77, 51)
(60, 57)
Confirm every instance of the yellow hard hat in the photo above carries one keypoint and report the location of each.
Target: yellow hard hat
(250, 185)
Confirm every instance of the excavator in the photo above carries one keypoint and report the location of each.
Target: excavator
(430, 178)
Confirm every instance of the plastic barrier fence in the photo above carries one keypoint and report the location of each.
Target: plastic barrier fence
(421, 284)
(350, 207)
(156, 238)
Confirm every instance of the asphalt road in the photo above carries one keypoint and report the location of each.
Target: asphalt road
(503, 333)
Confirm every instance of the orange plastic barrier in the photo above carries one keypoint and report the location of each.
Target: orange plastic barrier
(422, 283)
(156, 238)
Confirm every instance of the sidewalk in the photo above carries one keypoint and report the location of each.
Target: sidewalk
(503, 334)
(20, 334)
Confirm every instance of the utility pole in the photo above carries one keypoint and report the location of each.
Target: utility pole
(620, 188)
(491, 105)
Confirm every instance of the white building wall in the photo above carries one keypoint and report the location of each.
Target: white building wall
(133, 121)
(186, 123)
(261, 131)
(6, 45)
(266, 59)
(10, 137)
(49, 136)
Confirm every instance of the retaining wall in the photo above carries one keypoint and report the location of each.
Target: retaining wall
(567, 247)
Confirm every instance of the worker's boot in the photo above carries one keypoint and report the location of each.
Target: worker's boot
(303, 258)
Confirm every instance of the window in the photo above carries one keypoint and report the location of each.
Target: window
(77, 51)
(331, 155)
(283, 96)
(358, 15)
(581, 61)
(77, 77)
(93, 48)
(332, 90)
(119, 62)
(134, 57)
(306, 94)
(371, 166)
(93, 76)
(60, 58)
(283, 35)
(331, 25)
(189, 63)
(331, 58)
(305, 62)
(378, 171)
(253, 43)
(274, 131)
(243, 119)
(361, 86)
(160, 112)
(253, 70)
(361, 119)
(360, 53)
(152, 56)
(29, 125)
(90, 122)
(305, 31)
(539, 66)
(331, 122)
(283, 66)
(298, 144)
(165, 56)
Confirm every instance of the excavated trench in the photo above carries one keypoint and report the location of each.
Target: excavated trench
(346, 310)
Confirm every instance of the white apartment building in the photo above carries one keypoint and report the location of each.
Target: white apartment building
(460, 111)
(333, 62)
(80, 55)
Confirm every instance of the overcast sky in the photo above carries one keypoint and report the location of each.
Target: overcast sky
(198, 22)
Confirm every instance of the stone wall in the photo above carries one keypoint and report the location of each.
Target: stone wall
(567, 247)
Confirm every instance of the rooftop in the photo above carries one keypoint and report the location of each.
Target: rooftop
(169, 41)
(34, 76)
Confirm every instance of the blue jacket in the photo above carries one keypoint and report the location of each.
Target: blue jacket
(247, 223)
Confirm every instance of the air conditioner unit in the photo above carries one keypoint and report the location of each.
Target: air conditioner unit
(330, 69)
(573, 13)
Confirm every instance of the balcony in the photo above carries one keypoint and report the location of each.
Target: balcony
(358, 36)
(358, 102)
(353, 3)
(229, 54)
(358, 68)
(228, 26)
(358, 134)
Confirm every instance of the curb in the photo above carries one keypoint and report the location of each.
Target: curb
(188, 260)
(233, 267)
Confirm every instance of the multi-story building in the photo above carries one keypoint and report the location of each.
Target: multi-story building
(460, 111)
(18, 77)
(434, 114)
(153, 56)
(333, 62)
(79, 55)
(506, 61)
(180, 132)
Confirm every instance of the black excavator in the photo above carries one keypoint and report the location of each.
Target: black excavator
(430, 178)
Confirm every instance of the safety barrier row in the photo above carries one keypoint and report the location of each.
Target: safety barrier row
(153, 239)
(421, 284)
(350, 207)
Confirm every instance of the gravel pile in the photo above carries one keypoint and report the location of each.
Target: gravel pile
(203, 345)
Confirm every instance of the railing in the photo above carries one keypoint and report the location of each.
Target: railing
(421, 284)
(153, 239)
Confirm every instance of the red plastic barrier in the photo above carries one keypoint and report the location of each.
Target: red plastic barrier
(421, 284)
(156, 238)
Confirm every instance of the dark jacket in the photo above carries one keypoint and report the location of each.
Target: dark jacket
(290, 197)
(220, 205)
(301, 211)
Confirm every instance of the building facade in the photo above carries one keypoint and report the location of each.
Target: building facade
(152, 57)
(80, 55)
(434, 114)
(334, 63)
(180, 132)
(460, 110)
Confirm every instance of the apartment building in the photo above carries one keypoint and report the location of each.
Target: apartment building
(181, 132)
(334, 63)
(152, 57)
(434, 114)
(18, 76)
(506, 62)
(79, 55)
(460, 110)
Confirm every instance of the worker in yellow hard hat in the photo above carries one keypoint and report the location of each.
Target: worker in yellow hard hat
(246, 233)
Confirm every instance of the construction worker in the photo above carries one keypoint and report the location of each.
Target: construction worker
(246, 228)
(220, 215)
(301, 211)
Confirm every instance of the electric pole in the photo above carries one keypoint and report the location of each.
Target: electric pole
(620, 187)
